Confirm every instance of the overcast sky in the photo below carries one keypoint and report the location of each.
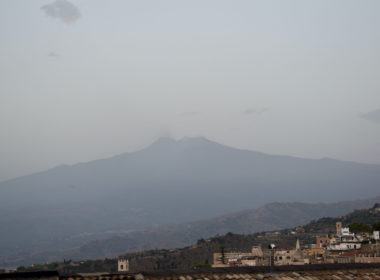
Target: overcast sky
(88, 79)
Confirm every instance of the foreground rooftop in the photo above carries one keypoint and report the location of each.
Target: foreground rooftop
(366, 274)
(363, 272)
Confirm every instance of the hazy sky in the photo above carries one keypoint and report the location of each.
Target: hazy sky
(87, 79)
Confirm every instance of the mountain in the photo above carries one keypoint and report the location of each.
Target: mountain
(169, 182)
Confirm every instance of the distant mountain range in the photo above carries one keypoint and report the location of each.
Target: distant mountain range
(170, 182)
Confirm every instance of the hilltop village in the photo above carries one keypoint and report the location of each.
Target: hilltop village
(342, 247)
(355, 243)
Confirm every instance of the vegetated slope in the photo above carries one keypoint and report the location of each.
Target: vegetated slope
(169, 182)
(272, 216)
(201, 252)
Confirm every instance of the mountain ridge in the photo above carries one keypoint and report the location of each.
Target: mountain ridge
(169, 182)
(169, 140)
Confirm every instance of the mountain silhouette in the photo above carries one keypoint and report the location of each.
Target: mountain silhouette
(169, 182)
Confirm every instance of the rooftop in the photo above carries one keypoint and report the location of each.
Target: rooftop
(355, 274)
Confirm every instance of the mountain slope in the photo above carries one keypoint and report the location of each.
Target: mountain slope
(202, 251)
(273, 216)
(169, 182)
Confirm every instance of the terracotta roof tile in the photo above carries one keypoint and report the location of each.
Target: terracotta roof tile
(357, 274)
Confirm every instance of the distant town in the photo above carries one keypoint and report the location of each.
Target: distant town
(360, 246)
(356, 243)
(350, 249)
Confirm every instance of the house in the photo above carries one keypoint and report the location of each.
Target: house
(122, 265)
(290, 257)
(364, 257)
(345, 240)
(322, 241)
(376, 235)
(316, 252)
(253, 258)
(350, 243)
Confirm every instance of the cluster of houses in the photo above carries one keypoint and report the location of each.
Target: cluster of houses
(342, 247)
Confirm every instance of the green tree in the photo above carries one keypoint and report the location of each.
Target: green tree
(376, 226)
(359, 227)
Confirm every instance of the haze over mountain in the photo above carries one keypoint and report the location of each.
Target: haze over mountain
(168, 182)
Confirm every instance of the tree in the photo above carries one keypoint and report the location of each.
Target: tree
(222, 255)
(201, 241)
(359, 227)
(203, 265)
(376, 226)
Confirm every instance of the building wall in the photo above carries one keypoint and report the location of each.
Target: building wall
(367, 259)
(315, 252)
(122, 265)
(338, 228)
(288, 257)
(322, 242)
(376, 235)
(238, 259)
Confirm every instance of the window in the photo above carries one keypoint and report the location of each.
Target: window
(121, 266)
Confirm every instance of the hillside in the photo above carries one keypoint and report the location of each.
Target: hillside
(201, 252)
(169, 182)
(272, 216)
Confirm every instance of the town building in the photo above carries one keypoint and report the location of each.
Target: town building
(253, 258)
(376, 235)
(340, 248)
(290, 257)
(322, 241)
(345, 240)
(122, 265)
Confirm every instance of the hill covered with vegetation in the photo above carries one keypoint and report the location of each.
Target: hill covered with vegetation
(200, 254)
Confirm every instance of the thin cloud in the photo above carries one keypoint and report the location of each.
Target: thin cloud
(373, 116)
(188, 114)
(53, 55)
(63, 10)
(251, 111)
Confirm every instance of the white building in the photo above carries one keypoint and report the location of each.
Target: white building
(342, 246)
(122, 265)
(345, 231)
(376, 235)
(345, 240)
